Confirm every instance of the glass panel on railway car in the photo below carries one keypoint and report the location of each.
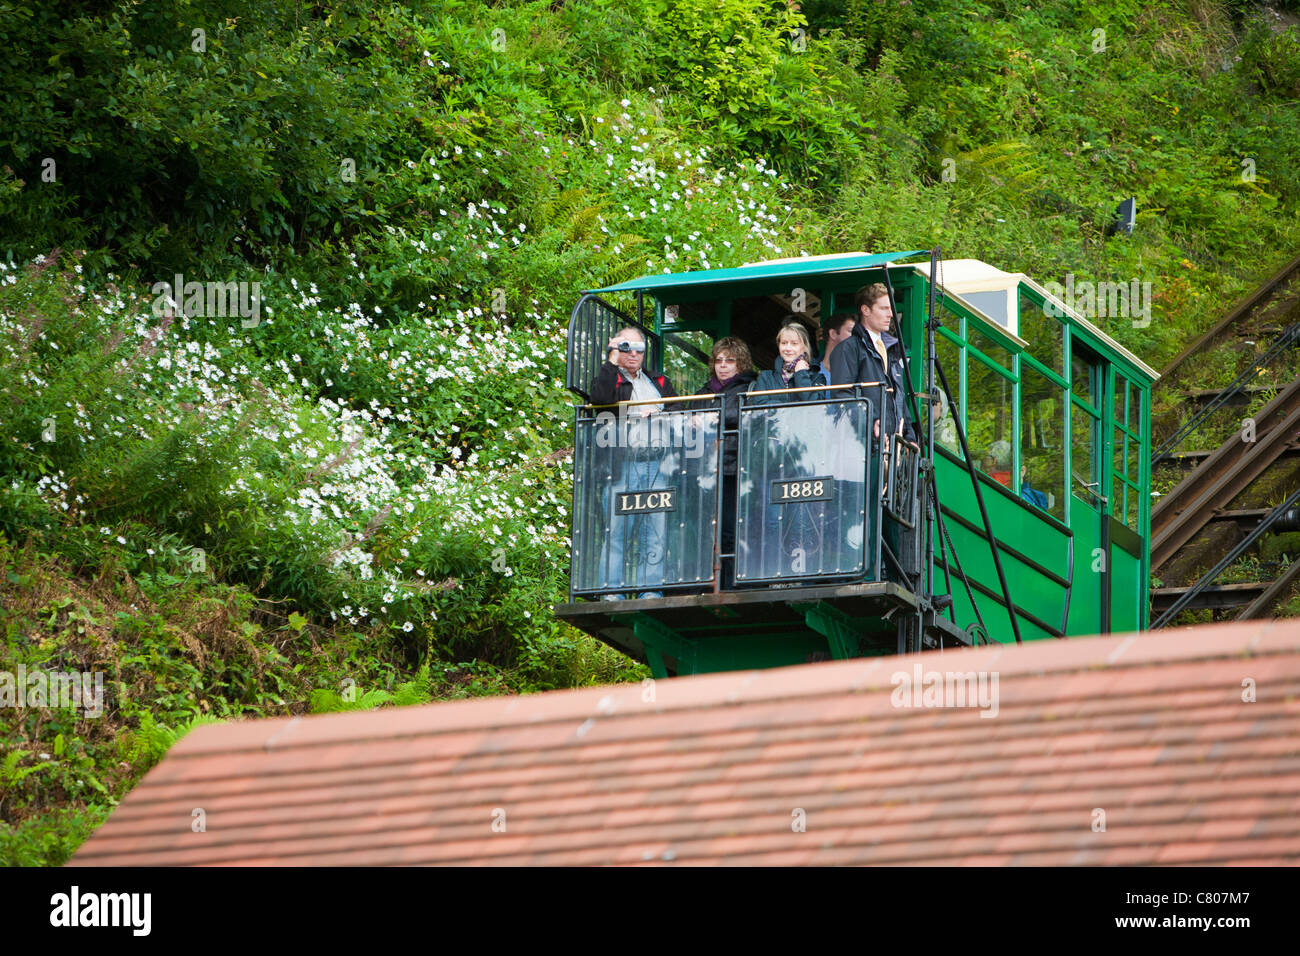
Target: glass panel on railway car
(995, 304)
(991, 348)
(1083, 380)
(990, 418)
(948, 354)
(686, 360)
(645, 499)
(1119, 454)
(1085, 434)
(802, 485)
(1042, 330)
(1042, 441)
(1127, 461)
(1118, 413)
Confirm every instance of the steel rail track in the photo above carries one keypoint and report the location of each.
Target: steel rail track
(1242, 308)
(1209, 489)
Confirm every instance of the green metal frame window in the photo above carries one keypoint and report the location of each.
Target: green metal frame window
(1086, 437)
(1043, 330)
(1127, 458)
(1044, 401)
(1042, 437)
(985, 364)
(948, 350)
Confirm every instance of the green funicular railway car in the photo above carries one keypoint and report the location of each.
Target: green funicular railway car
(1032, 432)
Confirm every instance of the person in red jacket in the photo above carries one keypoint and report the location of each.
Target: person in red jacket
(635, 467)
(621, 377)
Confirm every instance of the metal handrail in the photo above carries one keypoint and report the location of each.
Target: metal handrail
(816, 388)
(660, 401)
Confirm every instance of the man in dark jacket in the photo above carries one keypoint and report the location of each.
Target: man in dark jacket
(621, 377)
(871, 354)
(634, 464)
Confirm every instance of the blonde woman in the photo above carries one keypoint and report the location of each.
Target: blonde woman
(795, 365)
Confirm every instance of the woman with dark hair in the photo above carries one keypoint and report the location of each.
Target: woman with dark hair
(732, 370)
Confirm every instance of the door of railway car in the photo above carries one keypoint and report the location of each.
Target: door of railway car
(808, 493)
(1105, 458)
(1127, 459)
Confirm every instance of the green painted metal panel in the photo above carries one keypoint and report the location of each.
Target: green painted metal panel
(1127, 595)
(1034, 550)
(768, 650)
(1085, 602)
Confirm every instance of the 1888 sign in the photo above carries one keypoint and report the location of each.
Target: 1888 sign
(802, 489)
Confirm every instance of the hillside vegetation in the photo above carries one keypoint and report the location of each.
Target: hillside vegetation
(359, 496)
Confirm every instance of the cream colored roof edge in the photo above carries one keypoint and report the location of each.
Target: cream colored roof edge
(961, 275)
(923, 269)
(972, 308)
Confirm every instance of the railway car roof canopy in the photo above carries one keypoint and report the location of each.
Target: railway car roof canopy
(986, 288)
(704, 283)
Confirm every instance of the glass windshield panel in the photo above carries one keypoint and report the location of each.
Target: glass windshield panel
(990, 419)
(1085, 430)
(646, 499)
(802, 489)
(686, 359)
(1042, 441)
(1043, 331)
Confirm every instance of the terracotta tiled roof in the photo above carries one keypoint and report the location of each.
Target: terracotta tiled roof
(1148, 734)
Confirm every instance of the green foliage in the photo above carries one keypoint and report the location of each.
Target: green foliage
(1274, 60)
(164, 139)
(405, 694)
(362, 501)
(50, 839)
(149, 742)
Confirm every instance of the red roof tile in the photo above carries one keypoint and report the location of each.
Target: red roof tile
(803, 765)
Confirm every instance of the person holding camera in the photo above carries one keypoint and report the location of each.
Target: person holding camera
(621, 377)
(634, 466)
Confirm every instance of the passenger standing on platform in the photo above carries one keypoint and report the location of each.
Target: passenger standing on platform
(839, 330)
(621, 377)
(791, 533)
(871, 354)
(733, 372)
(636, 465)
